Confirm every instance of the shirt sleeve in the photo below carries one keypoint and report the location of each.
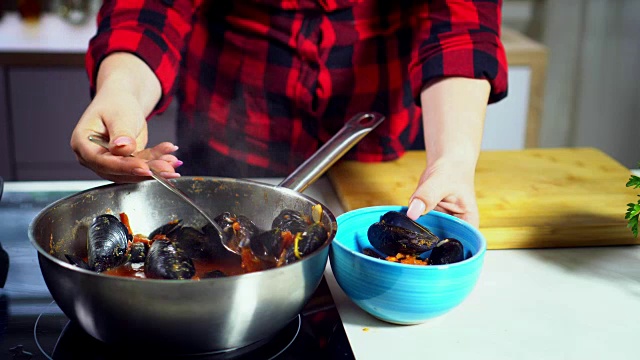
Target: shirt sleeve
(155, 31)
(460, 38)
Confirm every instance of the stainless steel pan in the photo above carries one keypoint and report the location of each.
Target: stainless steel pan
(187, 316)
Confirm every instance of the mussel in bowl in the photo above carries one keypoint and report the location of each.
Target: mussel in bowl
(398, 238)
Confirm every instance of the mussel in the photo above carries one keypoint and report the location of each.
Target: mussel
(447, 251)
(195, 243)
(165, 260)
(237, 228)
(108, 239)
(214, 274)
(371, 252)
(138, 252)
(396, 233)
(268, 245)
(290, 220)
(396, 218)
(166, 229)
(77, 261)
(304, 243)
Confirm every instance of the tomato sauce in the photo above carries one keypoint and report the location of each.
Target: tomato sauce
(136, 270)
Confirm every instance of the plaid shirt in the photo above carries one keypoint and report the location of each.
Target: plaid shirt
(266, 82)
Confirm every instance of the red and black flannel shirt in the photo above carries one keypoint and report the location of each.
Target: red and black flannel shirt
(266, 82)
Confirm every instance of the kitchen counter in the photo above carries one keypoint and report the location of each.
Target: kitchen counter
(51, 41)
(579, 303)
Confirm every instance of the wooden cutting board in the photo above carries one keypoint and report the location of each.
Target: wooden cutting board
(533, 198)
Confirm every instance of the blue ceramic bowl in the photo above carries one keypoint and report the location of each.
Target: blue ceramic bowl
(401, 293)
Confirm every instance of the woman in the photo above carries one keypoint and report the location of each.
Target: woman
(261, 84)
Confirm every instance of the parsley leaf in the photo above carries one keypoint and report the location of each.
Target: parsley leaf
(633, 210)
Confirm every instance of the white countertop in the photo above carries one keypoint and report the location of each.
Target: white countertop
(580, 303)
(51, 34)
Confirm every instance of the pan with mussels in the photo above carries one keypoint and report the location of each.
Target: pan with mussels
(166, 239)
(176, 251)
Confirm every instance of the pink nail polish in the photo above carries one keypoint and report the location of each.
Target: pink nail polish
(170, 175)
(178, 164)
(416, 209)
(122, 141)
(141, 172)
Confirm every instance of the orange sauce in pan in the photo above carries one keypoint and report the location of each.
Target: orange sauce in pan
(202, 268)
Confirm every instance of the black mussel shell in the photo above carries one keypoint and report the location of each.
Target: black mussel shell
(138, 252)
(308, 241)
(267, 245)
(214, 274)
(107, 242)
(237, 228)
(371, 252)
(290, 220)
(166, 229)
(77, 261)
(448, 251)
(195, 244)
(391, 240)
(167, 261)
(395, 218)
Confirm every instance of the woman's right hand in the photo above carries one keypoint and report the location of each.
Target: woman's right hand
(126, 92)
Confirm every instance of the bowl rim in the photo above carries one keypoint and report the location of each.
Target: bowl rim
(475, 257)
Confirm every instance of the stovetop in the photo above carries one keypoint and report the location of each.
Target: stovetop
(32, 326)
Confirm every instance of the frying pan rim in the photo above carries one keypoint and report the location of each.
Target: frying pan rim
(255, 183)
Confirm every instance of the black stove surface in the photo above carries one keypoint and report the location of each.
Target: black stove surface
(32, 326)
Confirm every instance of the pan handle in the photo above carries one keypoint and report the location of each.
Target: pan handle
(316, 165)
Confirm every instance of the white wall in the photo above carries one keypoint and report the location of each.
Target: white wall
(592, 93)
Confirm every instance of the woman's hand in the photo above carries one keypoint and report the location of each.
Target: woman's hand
(453, 112)
(446, 186)
(127, 90)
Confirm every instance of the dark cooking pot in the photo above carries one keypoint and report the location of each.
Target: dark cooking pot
(187, 316)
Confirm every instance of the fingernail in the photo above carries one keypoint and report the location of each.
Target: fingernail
(416, 208)
(170, 175)
(177, 164)
(141, 172)
(122, 141)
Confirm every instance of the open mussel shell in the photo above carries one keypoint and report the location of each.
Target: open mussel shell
(396, 218)
(237, 228)
(305, 243)
(267, 245)
(290, 220)
(395, 233)
(448, 251)
(107, 243)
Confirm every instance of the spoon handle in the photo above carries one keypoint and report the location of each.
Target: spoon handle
(170, 186)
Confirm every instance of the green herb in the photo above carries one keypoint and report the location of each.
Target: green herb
(633, 211)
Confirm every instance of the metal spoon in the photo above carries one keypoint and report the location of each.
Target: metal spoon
(171, 187)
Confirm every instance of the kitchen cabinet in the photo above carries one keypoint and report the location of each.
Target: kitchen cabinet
(46, 104)
(6, 153)
(47, 91)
